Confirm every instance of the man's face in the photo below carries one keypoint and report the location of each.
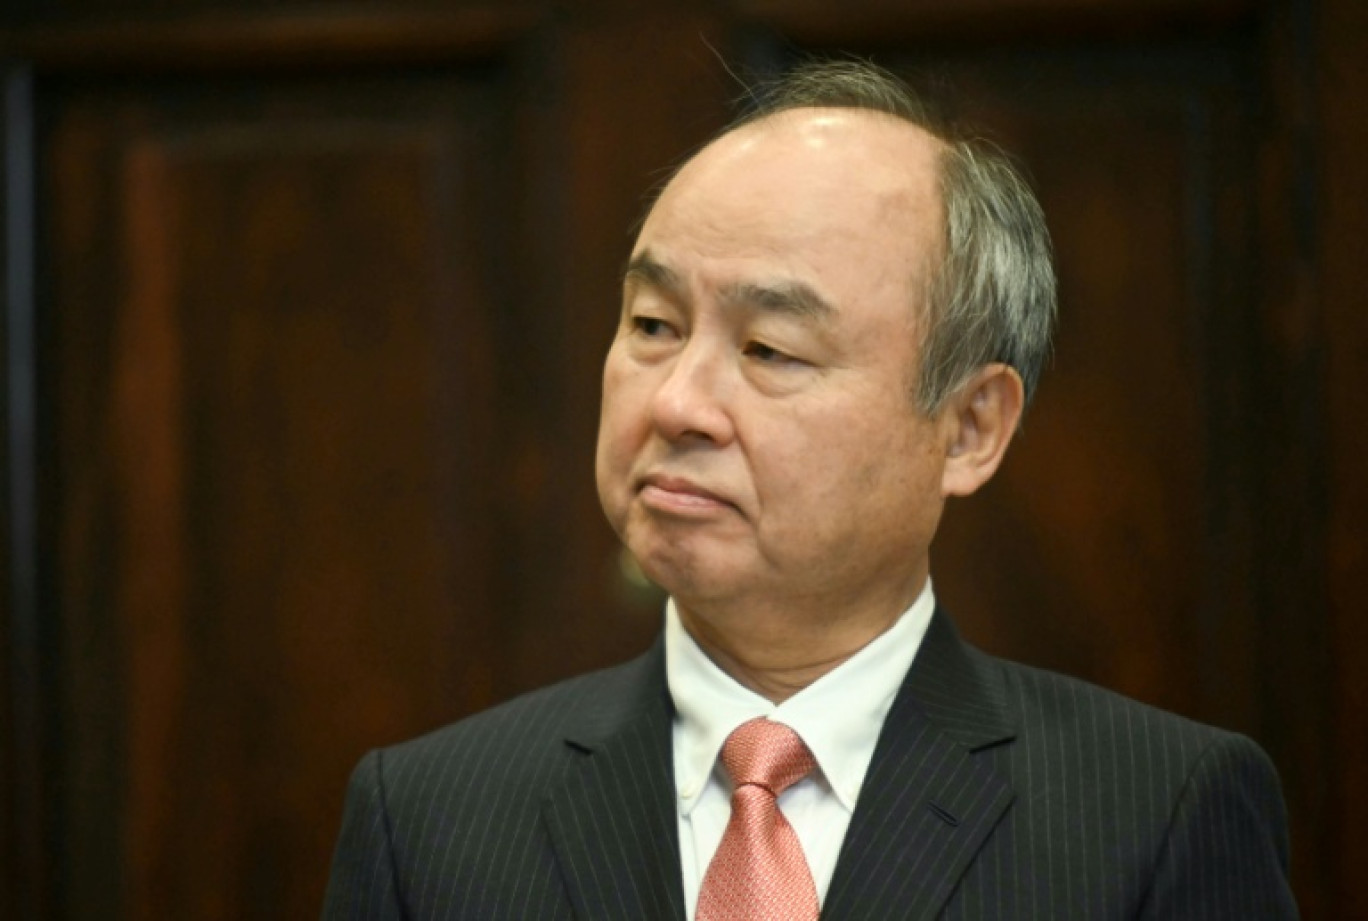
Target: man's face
(759, 437)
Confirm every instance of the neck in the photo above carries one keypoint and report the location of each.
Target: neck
(778, 655)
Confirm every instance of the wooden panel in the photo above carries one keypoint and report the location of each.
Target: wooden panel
(1297, 685)
(1342, 107)
(75, 11)
(894, 24)
(238, 40)
(276, 468)
(25, 803)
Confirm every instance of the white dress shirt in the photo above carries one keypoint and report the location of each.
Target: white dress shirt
(838, 716)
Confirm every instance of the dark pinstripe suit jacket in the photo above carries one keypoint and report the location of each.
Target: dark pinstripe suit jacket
(996, 791)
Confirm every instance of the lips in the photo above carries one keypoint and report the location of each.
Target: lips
(678, 494)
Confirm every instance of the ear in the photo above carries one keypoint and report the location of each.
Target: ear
(981, 418)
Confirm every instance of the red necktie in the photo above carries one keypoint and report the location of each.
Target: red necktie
(759, 872)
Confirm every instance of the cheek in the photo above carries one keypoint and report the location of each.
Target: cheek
(617, 420)
(805, 473)
(613, 456)
(623, 422)
(854, 465)
(615, 388)
(612, 469)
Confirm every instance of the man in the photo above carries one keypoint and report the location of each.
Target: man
(832, 320)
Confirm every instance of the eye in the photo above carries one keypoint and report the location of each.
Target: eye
(768, 354)
(651, 327)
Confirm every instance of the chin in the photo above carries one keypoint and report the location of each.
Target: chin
(668, 566)
(685, 560)
(689, 578)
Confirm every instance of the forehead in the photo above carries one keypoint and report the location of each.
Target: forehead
(812, 192)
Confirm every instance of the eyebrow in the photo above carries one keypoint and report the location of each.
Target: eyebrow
(788, 297)
(644, 267)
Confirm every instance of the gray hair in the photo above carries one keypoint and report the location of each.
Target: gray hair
(993, 298)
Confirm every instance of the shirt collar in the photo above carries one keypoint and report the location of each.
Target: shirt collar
(839, 716)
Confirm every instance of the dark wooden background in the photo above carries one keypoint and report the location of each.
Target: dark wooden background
(305, 304)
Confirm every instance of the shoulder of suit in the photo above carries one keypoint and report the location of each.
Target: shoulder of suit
(1069, 710)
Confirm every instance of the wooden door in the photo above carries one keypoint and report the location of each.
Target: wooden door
(305, 316)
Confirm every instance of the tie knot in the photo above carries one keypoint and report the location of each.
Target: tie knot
(766, 754)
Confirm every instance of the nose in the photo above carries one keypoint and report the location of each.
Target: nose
(692, 401)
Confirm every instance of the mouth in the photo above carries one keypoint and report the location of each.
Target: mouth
(680, 496)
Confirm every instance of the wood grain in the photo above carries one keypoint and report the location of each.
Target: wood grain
(279, 479)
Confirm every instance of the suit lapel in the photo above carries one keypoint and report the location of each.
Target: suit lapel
(928, 802)
(612, 821)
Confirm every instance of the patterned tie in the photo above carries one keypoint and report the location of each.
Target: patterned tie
(759, 872)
